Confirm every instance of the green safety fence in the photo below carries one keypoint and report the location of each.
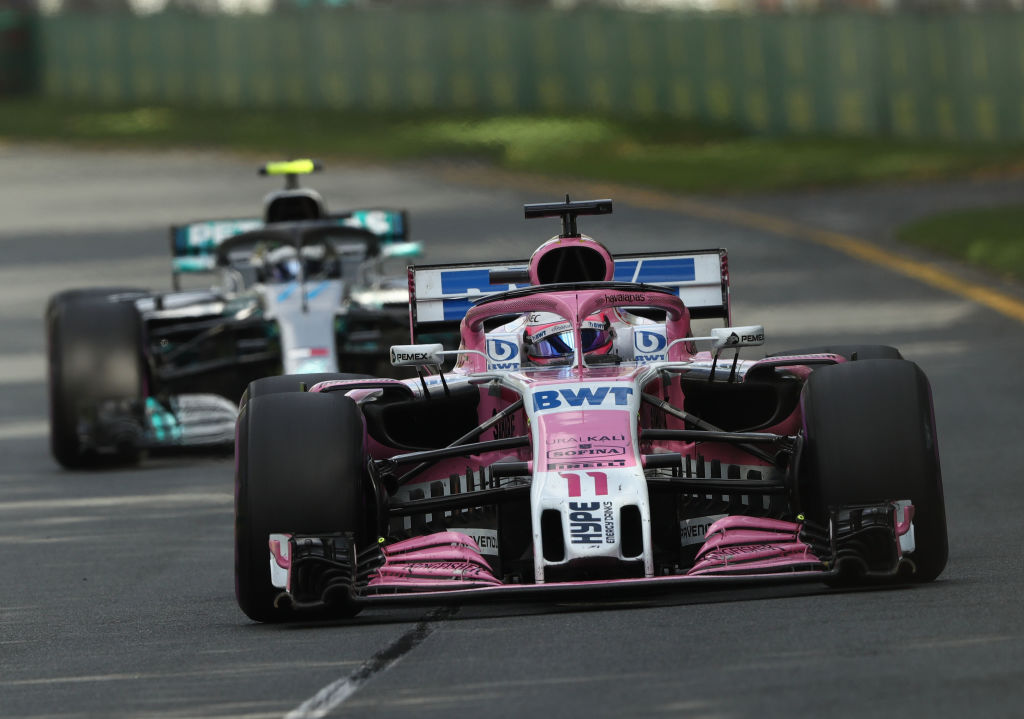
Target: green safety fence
(17, 53)
(955, 76)
(952, 76)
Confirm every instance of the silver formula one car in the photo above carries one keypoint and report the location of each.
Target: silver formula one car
(300, 290)
(584, 441)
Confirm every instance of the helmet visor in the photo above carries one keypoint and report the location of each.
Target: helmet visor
(563, 344)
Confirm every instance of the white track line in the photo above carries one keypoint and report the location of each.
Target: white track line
(337, 692)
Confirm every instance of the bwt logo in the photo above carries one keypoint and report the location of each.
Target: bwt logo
(502, 354)
(501, 350)
(584, 396)
(647, 341)
(650, 346)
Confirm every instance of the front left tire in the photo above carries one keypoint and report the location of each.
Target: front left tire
(299, 461)
(870, 438)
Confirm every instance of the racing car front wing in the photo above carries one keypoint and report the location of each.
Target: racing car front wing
(326, 571)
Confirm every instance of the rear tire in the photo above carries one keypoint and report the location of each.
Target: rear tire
(96, 293)
(299, 461)
(870, 438)
(94, 349)
(861, 352)
(291, 383)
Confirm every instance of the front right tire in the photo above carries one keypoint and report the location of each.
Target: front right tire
(94, 351)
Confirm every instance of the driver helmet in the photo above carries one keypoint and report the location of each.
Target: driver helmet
(282, 264)
(549, 337)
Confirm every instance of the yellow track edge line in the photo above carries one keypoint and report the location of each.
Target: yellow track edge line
(856, 247)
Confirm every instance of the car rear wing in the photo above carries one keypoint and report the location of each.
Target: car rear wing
(444, 293)
(194, 245)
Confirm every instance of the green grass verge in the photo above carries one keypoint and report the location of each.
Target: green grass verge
(664, 153)
(989, 238)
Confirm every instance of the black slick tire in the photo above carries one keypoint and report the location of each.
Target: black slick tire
(850, 352)
(870, 438)
(291, 383)
(94, 352)
(299, 470)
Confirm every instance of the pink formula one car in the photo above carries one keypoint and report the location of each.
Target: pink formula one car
(584, 441)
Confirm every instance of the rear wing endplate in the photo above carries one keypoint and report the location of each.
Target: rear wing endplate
(444, 293)
(194, 245)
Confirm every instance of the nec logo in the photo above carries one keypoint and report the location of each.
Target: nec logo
(582, 397)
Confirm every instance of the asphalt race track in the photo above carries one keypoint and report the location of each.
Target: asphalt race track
(116, 588)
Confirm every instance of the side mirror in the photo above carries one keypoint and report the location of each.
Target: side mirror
(747, 336)
(416, 355)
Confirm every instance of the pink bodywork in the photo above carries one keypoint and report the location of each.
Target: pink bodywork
(359, 388)
(753, 544)
(446, 560)
(452, 561)
(575, 306)
(557, 244)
